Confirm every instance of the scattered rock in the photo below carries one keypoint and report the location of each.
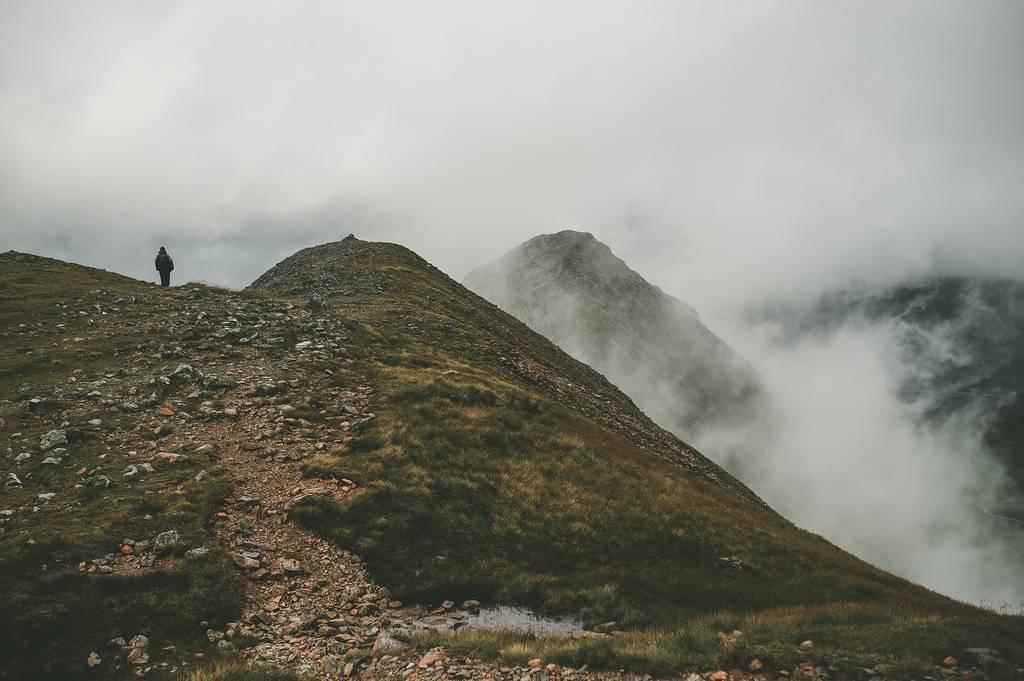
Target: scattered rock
(245, 562)
(54, 438)
(755, 665)
(986, 657)
(94, 660)
(100, 481)
(165, 541)
(171, 457)
(430, 659)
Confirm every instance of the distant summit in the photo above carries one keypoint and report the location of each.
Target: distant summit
(571, 288)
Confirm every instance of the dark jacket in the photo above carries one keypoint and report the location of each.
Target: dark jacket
(164, 263)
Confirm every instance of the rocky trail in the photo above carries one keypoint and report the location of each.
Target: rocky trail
(311, 607)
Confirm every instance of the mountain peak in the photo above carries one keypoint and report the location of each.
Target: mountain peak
(573, 289)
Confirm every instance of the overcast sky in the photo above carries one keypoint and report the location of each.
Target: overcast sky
(724, 149)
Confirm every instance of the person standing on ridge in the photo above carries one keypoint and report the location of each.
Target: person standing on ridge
(164, 265)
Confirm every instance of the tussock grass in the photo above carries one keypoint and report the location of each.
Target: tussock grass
(239, 671)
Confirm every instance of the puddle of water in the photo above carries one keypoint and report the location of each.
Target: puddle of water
(525, 620)
(505, 618)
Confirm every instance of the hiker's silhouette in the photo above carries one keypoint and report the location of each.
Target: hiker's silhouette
(164, 265)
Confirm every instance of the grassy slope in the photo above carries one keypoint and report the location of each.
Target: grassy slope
(50, 613)
(525, 477)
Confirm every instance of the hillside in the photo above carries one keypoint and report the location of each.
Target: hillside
(288, 473)
(572, 289)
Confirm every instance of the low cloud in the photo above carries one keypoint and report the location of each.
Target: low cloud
(853, 460)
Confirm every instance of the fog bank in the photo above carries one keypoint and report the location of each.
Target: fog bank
(851, 460)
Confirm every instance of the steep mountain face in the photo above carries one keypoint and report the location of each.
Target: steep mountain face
(264, 472)
(571, 288)
(962, 340)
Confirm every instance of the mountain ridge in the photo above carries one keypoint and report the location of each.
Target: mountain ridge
(571, 288)
(267, 473)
